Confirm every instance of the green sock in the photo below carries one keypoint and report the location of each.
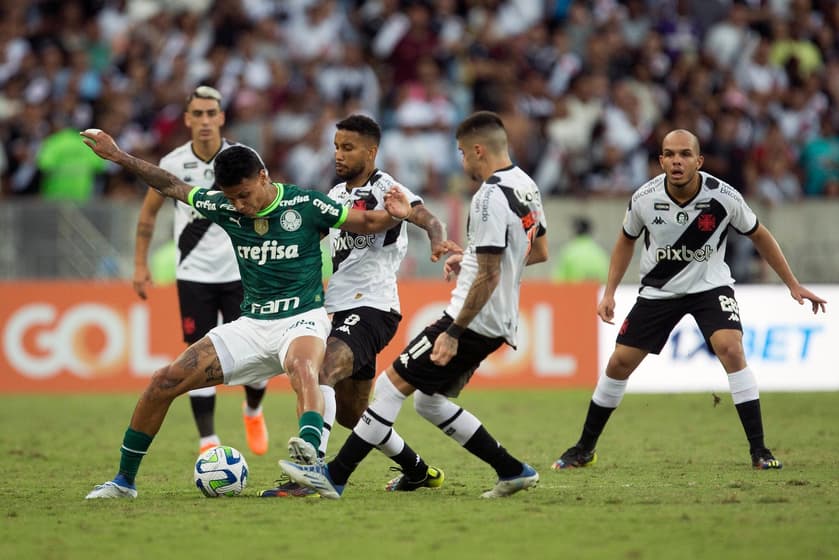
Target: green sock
(134, 447)
(311, 427)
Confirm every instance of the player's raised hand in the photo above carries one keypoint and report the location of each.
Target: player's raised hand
(799, 293)
(606, 309)
(100, 142)
(451, 267)
(396, 204)
(443, 248)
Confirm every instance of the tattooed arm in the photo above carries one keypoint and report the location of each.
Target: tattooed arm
(423, 218)
(489, 274)
(164, 182)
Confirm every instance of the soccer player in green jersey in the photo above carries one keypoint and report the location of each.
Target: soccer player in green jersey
(276, 230)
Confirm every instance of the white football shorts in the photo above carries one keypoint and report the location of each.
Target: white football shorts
(253, 350)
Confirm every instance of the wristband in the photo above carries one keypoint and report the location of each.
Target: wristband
(455, 331)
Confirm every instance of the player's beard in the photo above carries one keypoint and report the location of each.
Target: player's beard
(350, 173)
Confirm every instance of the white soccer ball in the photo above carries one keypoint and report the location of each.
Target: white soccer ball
(93, 131)
(221, 471)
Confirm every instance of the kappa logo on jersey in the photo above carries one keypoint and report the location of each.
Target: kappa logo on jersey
(658, 221)
(683, 254)
(290, 220)
(344, 329)
(324, 207)
(269, 250)
(706, 222)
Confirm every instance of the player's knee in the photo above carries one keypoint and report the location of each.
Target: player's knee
(729, 352)
(619, 367)
(165, 383)
(431, 407)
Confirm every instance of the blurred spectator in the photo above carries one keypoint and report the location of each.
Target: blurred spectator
(820, 162)
(779, 184)
(582, 258)
(413, 152)
(584, 87)
(68, 170)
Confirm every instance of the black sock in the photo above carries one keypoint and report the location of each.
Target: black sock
(254, 396)
(351, 454)
(596, 419)
(484, 446)
(750, 417)
(203, 409)
(412, 464)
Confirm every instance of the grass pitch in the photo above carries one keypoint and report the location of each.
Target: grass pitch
(673, 480)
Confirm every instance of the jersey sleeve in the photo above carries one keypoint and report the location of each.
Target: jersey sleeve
(743, 219)
(207, 203)
(633, 222)
(385, 183)
(490, 219)
(328, 213)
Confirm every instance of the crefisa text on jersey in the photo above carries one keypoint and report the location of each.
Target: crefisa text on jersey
(269, 250)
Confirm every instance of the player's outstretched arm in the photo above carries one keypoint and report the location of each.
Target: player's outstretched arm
(105, 147)
(768, 247)
(423, 218)
(397, 208)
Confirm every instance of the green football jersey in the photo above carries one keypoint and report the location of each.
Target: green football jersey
(278, 251)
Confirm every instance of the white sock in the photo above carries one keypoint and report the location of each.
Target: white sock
(456, 422)
(393, 445)
(213, 439)
(376, 422)
(609, 392)
(251, 412)
(329, 412)
(743, 386)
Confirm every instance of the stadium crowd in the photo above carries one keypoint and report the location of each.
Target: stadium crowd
(586, 89)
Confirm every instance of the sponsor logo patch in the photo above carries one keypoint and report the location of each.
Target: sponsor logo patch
(260, 226)
(290, 220)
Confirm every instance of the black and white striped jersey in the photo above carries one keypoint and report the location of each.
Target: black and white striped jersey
(364, 266)
(684, 244)
(505, 216)
(205, 253)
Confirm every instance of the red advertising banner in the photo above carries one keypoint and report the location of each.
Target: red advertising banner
(100, 337)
